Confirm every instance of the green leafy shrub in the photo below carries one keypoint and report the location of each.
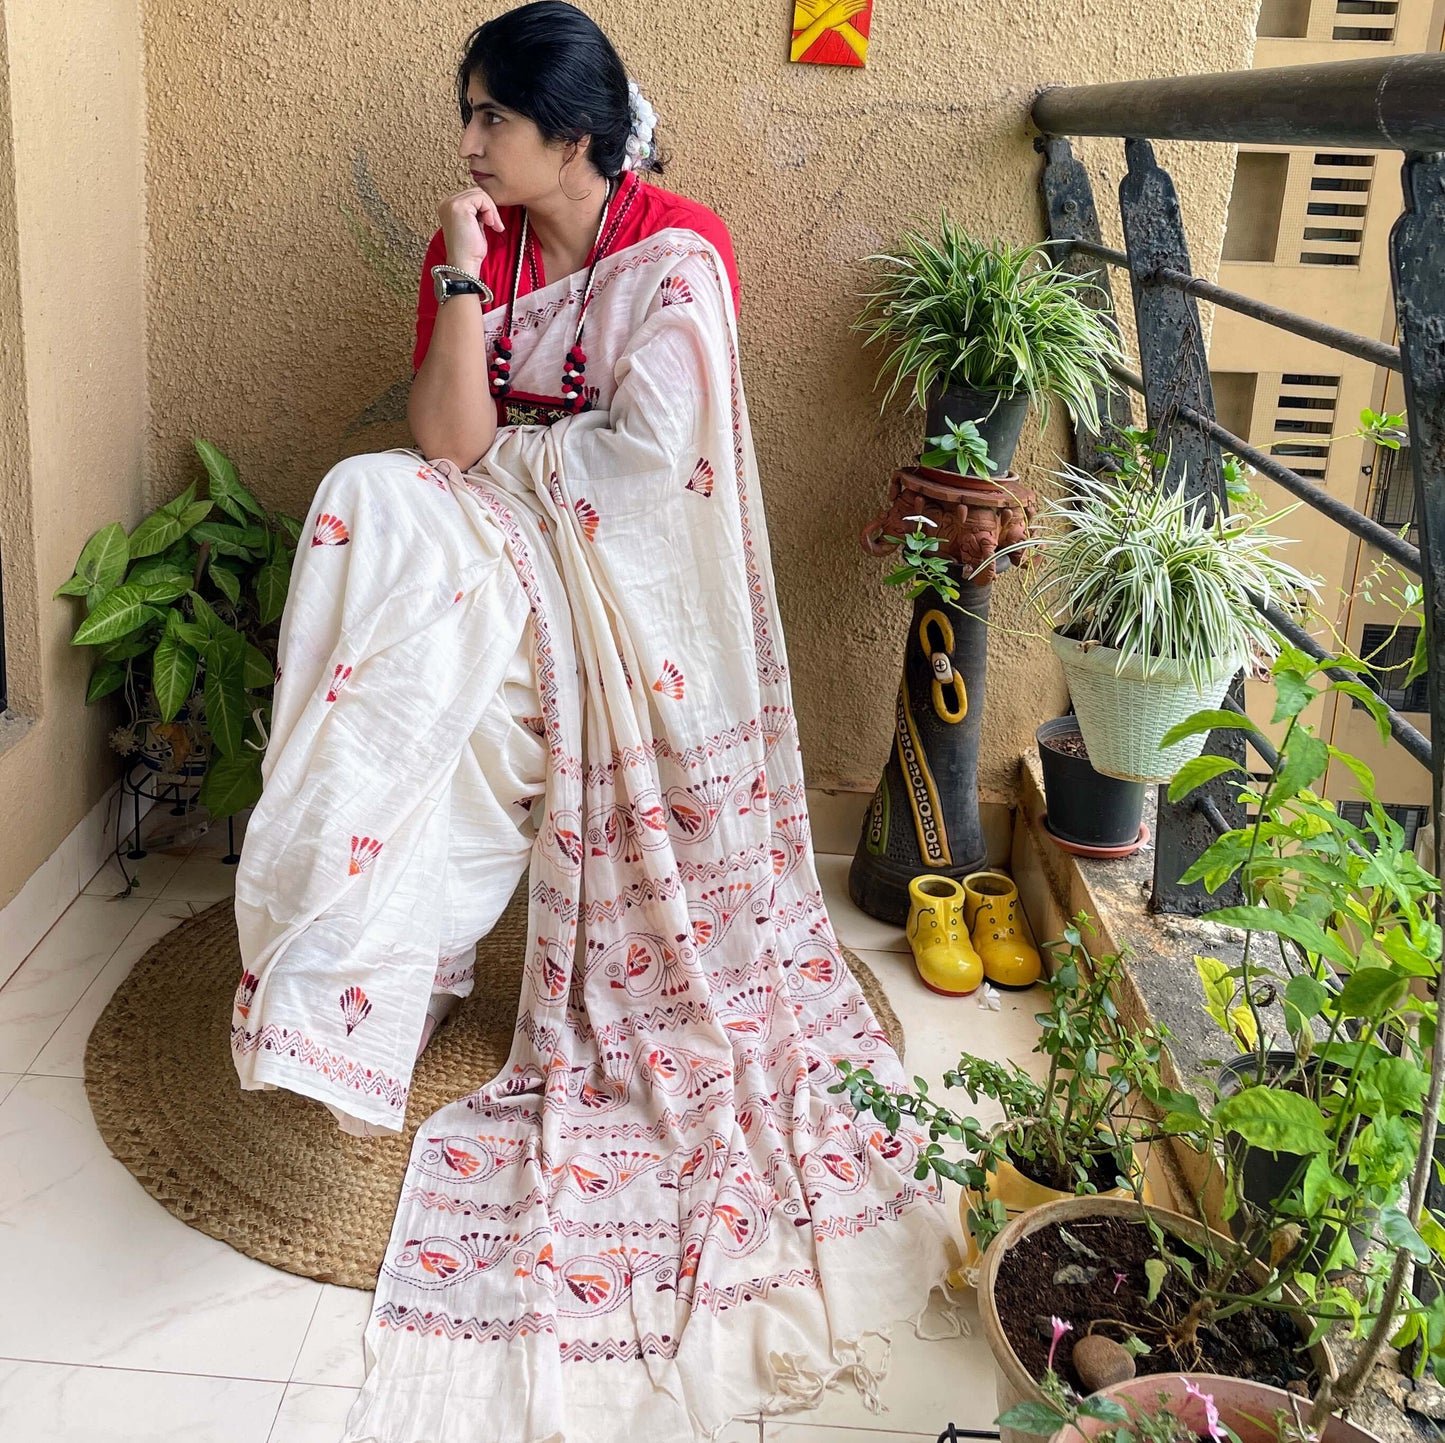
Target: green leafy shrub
(182, 614)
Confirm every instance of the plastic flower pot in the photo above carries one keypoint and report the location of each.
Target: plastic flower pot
(1014, 1383)
(1248, 1410)
(1086, 808)
(999, 418)
(1126, 710)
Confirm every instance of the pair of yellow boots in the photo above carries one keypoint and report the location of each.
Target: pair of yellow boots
(964, 932)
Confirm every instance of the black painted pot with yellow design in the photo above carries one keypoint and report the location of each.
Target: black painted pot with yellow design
(924, 813)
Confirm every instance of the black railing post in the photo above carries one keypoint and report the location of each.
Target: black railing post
(1175, 372)
(1071, 214)
(1417, 271)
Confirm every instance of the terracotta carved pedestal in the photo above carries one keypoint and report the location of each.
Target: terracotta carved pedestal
(924, 813)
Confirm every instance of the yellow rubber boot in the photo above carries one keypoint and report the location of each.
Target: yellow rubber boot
(946, 960)
(1000, 931)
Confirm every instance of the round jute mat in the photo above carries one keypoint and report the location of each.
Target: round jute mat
(270, 1173)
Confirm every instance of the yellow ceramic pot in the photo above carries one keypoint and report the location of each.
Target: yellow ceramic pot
(1018, 1194)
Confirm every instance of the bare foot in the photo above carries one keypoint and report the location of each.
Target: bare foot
(438, 1010)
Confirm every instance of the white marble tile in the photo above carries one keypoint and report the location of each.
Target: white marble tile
(212, 840)
(64, 1054)
(33, 911)
(7, 1081)
(743, 1430)
(775, 1432)
(108, 1276)
(312, 1414)
(202, 877)
(332, 1353)
(928, 1385)
(38, 997)
(855, 928)
(56, 1403)
(149, 874)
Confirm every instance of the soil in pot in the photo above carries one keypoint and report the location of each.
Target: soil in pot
(1103, 1168)
(1046, 1275)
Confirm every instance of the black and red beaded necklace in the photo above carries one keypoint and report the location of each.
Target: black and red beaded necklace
(574, 396)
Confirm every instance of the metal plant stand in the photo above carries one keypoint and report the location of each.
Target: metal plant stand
(924, 813)
(143, 782)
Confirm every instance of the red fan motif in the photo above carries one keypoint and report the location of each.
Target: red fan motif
(675, 291)
(735, 1220)
(441, 1265)
(669, 683)
(456, 598)
(840, 1166)
(330, 531)
(701, 479)
(590, 1287)
(427, 474)
(246, 993)
(587, 515)
(587, 1179)
(355, 1008)
(338, 680)
(363, 853)
(757, 798)
(460, 1160)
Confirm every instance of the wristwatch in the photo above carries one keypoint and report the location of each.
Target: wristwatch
(449, 281)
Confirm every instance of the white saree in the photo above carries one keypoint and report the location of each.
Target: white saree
(656, 1218)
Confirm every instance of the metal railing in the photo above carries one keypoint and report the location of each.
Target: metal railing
(1388, 104)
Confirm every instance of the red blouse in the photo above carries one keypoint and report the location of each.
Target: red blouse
(644, 210)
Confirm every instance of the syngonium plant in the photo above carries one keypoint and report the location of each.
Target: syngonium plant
(182, 614)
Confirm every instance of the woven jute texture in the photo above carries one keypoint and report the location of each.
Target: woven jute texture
(270, 1173)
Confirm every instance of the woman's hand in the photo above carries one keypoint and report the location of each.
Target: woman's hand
(465, 219)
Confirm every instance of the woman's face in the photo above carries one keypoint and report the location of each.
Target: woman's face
(508, 156)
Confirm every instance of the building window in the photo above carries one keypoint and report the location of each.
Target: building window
(1369, 20)
(1389, 651)
(1304, 421)
(1283, 19)
(1409, 817)
(1252, 231)
(1339, 193)
(1394, 491)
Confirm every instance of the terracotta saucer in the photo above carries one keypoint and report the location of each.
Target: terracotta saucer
(1099, 854)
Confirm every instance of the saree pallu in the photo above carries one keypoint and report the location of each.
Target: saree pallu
(656, 1218)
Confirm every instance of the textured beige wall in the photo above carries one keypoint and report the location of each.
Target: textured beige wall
(72, 338)
(297, 156)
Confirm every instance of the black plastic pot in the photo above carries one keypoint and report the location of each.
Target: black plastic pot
(1263, 1175)
(999, 419)
(1086, 807)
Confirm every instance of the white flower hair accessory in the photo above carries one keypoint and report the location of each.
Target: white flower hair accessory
(644, 123)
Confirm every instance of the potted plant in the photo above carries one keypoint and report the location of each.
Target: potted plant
(1154, 608)
(1090, 814)
(1076, 1132)
(982, 329)
(1178, 1408)
(182, 614)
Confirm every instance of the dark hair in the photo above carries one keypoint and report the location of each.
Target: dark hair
(550, 62)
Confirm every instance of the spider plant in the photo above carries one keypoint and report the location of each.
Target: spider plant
(1132, 564)
(991, 316)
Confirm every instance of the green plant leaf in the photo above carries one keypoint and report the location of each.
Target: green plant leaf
(102, 560)
(258, 673)
(1308, 933)
(1208, 721)
(226, 694)
(1292, 694)
(1274, 1120)
(105, 679)
(246, 543)
(1394, 1086)
(271, 583)
(226, 583)
(164, 527)
(1371, 992)
(232, 784)
(1306, 996)
(173, 669)
(76, 586)
(1371, 701)
(1155, 1270)
(1198, 771)
(1305, 761)
(225, 487)
(1040, 1419)
(118, 613)
(1398, 1231)
(1106, 1410)
(137, 643)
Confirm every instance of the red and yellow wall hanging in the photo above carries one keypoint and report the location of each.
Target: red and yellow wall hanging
(831, 32)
